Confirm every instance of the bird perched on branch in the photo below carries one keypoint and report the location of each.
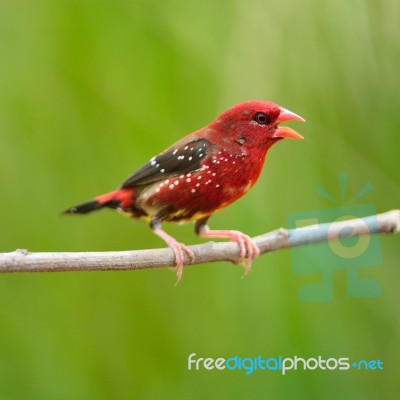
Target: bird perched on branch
(202, 173)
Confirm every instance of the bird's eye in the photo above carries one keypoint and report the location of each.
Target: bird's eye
(262, 118)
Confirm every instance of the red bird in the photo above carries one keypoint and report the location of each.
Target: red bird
(202, 173)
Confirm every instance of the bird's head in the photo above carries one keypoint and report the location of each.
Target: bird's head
(257, 123)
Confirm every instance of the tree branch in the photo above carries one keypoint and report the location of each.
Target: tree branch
(24, 261)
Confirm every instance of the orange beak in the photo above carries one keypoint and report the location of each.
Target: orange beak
(284, 131)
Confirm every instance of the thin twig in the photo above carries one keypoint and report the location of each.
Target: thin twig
(24, 261)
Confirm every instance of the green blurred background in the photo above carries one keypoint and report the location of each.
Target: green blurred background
(89, 90)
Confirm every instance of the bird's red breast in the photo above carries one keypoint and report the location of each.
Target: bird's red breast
(220, 179)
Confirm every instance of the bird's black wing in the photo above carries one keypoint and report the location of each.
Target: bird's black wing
(177, 160)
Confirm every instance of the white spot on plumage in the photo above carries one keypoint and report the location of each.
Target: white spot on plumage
(175, 151)
(157, 165)
(197, 184)
(188, 180)
(190, 158)
(186, 147)
(153, 163)
(193, 190)
(162, 170)
(171, 186)
(182, 176)
(199, 177)
(176, 182)
(217, 186)
(201, 155)
(157, 190)
(214, 174)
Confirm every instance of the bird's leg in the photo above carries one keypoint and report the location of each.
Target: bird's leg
(177, 247)
(246, 245)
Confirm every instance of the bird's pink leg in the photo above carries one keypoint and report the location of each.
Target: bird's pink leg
(178, 249)
(247, 246)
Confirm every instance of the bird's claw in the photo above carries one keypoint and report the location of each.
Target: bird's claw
(179, 249)
(248, 249)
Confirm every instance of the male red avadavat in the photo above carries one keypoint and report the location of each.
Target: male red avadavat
(202, 173)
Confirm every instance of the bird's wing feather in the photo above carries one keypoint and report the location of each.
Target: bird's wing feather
(182, 158)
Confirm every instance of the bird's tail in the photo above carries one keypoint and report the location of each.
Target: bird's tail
(121, 198)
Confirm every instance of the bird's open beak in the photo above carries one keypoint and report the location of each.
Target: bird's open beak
(284, 131)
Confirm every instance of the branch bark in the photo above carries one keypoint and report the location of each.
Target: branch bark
(24, 261)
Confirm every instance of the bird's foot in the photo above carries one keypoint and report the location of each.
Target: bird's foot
(179, 249)
(248, 249)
